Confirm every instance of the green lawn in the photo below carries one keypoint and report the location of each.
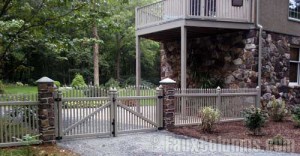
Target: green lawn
(12, 89)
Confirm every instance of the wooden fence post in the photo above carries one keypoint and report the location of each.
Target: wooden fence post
(219, 98)
(257, 102)
(159, 107)
(46, 109)
(112, 95)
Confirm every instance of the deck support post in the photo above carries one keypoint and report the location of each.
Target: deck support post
(138, 69)
(183, 67)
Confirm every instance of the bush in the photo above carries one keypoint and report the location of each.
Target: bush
(209, 117)
(57, 84)
(1, 87)
(78, 81)
(19, 84)
(278, 140)
(277, 110)
(112, 83)
(296, 116)
(255, 118)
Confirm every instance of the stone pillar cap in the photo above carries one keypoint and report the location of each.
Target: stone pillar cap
(44, 80)
(167, 81)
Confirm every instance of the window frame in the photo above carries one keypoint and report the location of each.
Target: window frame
(298, 68)
(289, 14)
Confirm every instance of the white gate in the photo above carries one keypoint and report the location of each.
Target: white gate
(107, 116)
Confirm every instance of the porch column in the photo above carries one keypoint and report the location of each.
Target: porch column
(183, 56)
(183, 68)
(138, 65)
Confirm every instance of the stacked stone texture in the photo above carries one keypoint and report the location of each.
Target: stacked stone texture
(233, 58)
(168, 107)
(46, 111)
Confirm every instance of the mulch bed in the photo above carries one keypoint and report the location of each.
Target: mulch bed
(227, 133)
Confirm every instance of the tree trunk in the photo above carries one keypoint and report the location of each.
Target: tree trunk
(96, 56)
(118, 60)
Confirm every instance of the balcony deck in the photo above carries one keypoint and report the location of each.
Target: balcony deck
(201, 16)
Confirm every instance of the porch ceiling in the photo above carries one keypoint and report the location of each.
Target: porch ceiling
(192, 32)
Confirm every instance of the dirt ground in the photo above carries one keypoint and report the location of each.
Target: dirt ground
(235, 133)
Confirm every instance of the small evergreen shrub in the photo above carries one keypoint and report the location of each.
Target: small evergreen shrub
(209, 117)
(296, 116)
(1, 87)
(57, 84)
(278, 140)
(19, 84)
(277, 110)
(78, 81)
(112, 83)
(255, 118)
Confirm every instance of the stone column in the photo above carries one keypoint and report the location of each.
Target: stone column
(46, 109)
(168, 86)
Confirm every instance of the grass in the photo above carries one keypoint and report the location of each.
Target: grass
(38, 150)
(13, 89)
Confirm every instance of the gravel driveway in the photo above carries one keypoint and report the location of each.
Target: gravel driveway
(161, 143)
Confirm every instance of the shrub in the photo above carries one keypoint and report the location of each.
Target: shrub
(277, 110)
(278, 140)
(19, 84)
(112, 83)
(78, 81)
(209, 117)
(57, 84)
(255, 118)
(1, 87)
(296, 116)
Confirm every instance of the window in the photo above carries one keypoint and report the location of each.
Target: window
(294, 9)
(294, 66)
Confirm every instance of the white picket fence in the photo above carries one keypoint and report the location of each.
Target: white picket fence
(18, 117)
(230, 102)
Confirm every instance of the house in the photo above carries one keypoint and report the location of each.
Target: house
(227, 43)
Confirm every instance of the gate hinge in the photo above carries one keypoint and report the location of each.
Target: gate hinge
(57, 99)
(160, 97)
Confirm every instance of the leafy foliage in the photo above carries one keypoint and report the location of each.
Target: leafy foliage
(255, 119)
(278, 140)
(1, 87)
(57, 84)
(28, 140)
(54, 38)
(296, 116)
(209, 117)
(277, 109)
(112, 83)
(78, 81)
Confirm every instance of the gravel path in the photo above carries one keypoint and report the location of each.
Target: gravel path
(161, 143)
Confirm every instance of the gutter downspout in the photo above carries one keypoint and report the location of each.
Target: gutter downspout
(260, 27)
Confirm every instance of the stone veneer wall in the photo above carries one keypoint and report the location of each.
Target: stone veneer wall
(230, 58)
(275, 67)
(233, 58)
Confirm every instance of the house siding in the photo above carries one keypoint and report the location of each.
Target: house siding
(274, 17)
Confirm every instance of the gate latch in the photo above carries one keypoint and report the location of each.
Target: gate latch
(57, 99)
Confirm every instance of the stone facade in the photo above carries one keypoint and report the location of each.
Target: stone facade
(228, 60)
(231, 61)
(275, 67)
(46, 111)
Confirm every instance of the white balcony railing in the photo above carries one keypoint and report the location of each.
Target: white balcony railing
(220, 10)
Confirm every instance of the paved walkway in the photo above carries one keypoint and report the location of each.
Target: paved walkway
(161, 143)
